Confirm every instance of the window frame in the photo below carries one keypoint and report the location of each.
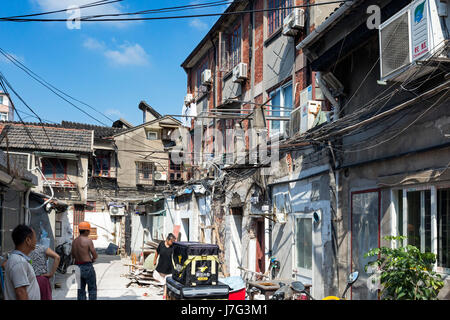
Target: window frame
(434, 216)
(94, 169)
(5, 115)
(299, 271)
(282, 111)
(275, 18)
(153, 132)
(53, 161)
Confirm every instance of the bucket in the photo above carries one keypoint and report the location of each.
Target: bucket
(237, 287)
(237, 294)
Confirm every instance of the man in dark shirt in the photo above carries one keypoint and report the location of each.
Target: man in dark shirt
(165, 265)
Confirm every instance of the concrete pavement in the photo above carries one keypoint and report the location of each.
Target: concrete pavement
(111, 283)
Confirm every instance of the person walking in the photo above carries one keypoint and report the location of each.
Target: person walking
(20, 279)
(84, 253)
(165, 263)
(39, 257)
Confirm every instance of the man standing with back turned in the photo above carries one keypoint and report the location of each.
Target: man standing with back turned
(84, 253)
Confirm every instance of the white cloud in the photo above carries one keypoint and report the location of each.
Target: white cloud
(128, 54)
(114, 112)
(93, 44)
(125, 54)
(198, 24)
(54, 5)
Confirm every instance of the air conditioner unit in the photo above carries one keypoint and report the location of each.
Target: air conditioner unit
(308, 114)
(240, 72)
(116, 211)
(294, 22)
(160, 176)
(416, 34)
(294, 123)
(206, 77)
(188, 98)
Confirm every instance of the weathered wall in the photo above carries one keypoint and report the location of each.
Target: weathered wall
(12, 214)
(137, 140)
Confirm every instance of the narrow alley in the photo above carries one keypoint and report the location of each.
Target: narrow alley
(111, 283)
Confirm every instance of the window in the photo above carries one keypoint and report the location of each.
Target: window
(275, 17)
(58, 229)
(281, 107)
(202, 67)
(415, 209)
(3, 116)
(231, 49)
(54, 168)
(303, 245)
(102, 166)
(443, 228)
(145, 172)
(152, 135)
(1, 99)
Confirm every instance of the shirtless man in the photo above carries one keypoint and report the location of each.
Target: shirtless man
(84, 253)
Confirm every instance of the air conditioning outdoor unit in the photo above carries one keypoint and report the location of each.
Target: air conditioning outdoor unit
(188, 98)
(294, 22)
(160, 176)
(416, 34)
(240, 72)
(116, 211)
(206, 77)
(308, 114)
(294, 123)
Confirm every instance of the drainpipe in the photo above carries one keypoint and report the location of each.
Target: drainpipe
(27, 198)
(328, 95)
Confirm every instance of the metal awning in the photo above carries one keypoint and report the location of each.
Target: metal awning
(157, 213)
(59, 155)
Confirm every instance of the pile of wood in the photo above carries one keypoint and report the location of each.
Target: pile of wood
(142, 277)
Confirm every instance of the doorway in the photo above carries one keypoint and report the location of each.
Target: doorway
(260, 246)
(78, 216)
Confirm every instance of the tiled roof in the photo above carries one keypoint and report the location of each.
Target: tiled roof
(99, 131)
(45, 137)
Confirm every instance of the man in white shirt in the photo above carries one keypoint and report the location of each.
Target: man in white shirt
(20, 279)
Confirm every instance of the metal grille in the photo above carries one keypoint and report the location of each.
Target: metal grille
(395, 47)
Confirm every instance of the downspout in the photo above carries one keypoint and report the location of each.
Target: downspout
(328, 95)
(27, 198)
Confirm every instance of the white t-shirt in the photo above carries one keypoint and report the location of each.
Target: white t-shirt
(20, 273)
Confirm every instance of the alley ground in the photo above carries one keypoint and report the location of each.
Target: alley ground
(111, 283)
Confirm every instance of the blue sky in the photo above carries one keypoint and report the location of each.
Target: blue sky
(111, 66)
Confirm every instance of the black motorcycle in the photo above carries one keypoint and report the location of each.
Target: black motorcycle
(64, 250)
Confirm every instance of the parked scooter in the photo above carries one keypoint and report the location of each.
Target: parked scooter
(64, 250)
(296, 288)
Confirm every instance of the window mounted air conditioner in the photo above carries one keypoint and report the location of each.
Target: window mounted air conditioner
(308, 114)
(294, 22)
(188, 98)
(416, 34)
(240, 72)
(160, 176)
(116, 211)
(294, 123)
(206, 77)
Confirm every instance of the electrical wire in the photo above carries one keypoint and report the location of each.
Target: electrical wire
(96, 17)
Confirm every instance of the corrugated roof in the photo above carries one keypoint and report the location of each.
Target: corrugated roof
(35, 136)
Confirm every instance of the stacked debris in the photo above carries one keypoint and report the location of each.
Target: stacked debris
(141, 272)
